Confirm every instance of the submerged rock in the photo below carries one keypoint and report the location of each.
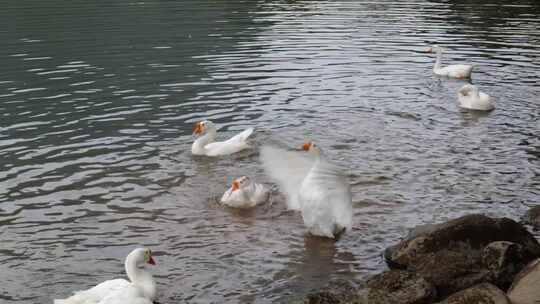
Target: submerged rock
(482, 293)
(451, 254)
(526, 286)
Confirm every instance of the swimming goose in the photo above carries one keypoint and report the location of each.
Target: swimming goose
(140, 289)
(461, 71)
(470, 97)
(244, 193)
(205, 144)
(319, 189)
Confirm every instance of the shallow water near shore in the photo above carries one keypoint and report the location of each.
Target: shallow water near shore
(98, 101)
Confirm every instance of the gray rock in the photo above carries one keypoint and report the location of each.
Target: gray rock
(398, 286)
(337, 293)
(504, 260)
(526, 286)
(450, 255)
(532, 217)
(325, 297)
(484, 293)
(389, 287)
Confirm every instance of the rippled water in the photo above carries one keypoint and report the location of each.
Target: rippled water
(98, 100)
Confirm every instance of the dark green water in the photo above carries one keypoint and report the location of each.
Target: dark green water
(98, 100)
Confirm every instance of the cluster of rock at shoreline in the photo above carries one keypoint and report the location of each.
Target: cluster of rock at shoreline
(471, 259)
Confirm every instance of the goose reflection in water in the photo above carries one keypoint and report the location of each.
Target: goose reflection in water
(318, 264)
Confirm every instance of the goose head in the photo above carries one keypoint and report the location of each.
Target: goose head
(311, 148)
(468, 90)
(240, 183)
(203, 127)
(140, 257)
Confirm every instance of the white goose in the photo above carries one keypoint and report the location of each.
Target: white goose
(317, 188)
(206, 145)
(140, 289)
(244, 193)
(461, 71)
(470, 97)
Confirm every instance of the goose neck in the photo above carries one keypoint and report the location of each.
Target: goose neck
(205, 139)
(476, 92)
(140, 277)
(317, 159)
(438, 59)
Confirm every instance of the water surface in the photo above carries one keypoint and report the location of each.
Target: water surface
(98, 101)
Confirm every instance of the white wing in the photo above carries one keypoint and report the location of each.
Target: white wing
(334, 195)
(230, 146)
(260, 194)
(459, 70)
(242, 136)
(288, 168)
(236, 199)
(129, 294)
(95, 294)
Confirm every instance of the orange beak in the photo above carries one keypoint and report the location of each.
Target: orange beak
(235, 186)
(198, 129)
(306, 146)
(151, 261)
